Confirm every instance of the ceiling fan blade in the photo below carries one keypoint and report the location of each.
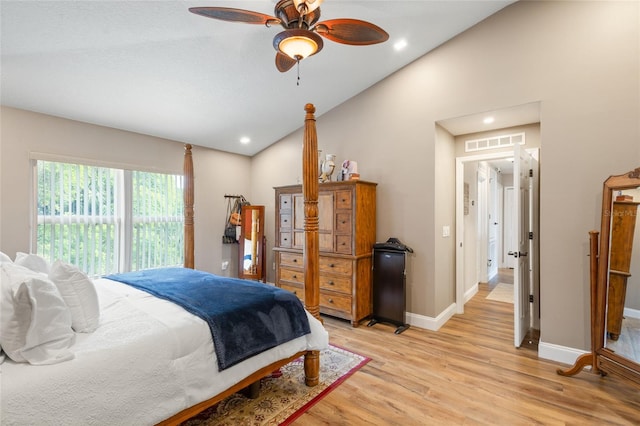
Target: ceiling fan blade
(235, 15)
(351, 31)
(283, 62)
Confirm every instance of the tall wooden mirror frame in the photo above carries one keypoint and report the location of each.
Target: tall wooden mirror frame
(252, 244)
(601, 359)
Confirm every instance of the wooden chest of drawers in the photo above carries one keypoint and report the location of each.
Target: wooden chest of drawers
(346, 236)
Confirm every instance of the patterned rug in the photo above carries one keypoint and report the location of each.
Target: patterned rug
(502, 293)
(283, 398)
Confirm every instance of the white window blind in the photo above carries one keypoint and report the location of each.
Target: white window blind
(107, 220)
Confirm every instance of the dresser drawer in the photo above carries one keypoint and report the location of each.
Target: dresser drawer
(336, 302)
(285, 239)
(292, 275)
(343, 200)
(343, 244)
(285, 202)
(336, 283)
(332, 265)
(291, 259)
(285, 221)
(343, 223)
(298, 291)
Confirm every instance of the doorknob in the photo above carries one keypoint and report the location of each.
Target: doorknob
(520, 254)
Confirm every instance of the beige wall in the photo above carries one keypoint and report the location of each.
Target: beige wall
(215, 173)
(580, 60)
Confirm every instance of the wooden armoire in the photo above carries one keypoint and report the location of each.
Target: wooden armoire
(623, 222)
(347, 232)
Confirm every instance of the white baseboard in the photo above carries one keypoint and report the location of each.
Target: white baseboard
(632, 313)
(470, 293)
(430, 323)
(559, 353)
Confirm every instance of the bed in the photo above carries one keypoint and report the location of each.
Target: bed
(150, 361)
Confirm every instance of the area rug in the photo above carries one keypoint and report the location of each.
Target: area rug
(283, 398)
(502, 293)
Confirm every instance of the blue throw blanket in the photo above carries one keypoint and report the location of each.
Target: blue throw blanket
(245, 317)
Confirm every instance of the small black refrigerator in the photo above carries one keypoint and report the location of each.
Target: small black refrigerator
(389, 283)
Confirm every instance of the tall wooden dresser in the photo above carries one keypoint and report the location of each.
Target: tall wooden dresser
(623, 222)
(347, 232)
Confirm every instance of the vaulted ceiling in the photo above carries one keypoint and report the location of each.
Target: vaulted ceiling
(152, 67)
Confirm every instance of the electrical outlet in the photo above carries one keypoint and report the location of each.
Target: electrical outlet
(274, 266)
(225, 265)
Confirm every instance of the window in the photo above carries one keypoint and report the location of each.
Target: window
(494, 142)
(107, 220)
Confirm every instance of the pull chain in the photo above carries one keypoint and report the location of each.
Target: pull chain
(298, 71)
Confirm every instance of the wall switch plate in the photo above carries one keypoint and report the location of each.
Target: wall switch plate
(225, 265)
(446, 231)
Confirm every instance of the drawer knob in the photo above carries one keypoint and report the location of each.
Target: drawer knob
(331, 283)
(330, 300)
(295, 260)
(295, 276)
(344, 244)
(332, 265)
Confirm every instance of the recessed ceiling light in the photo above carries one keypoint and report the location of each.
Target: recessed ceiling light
(245, 140)
(400, 44)
(488, 120)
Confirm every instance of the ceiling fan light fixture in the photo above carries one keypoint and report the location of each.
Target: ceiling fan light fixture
(298, 44)
(307, 5)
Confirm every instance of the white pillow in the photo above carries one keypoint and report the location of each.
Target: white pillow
(4, 258)
(33, 262)
(79, 294)
(35, 323)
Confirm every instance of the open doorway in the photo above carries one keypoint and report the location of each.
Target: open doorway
(484, 251)
(496, 232)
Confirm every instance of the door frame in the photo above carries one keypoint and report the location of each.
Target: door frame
(460, 261)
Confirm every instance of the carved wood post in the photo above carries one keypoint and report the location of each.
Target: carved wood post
(311, 245)
(188, 208)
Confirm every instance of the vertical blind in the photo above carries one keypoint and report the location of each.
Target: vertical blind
(107, 220)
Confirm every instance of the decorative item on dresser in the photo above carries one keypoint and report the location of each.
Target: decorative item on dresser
(347, 232)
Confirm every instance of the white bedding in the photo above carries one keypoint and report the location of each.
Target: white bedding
(147, 360)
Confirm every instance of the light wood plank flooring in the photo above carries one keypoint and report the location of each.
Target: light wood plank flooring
(467, 373)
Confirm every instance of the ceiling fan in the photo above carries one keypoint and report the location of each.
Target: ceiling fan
(300, 37)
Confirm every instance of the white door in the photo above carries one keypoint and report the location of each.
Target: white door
(482, 259)
(509, 241)
(523, 163)
(493, 225)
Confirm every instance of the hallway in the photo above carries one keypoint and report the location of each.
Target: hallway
(505, 276)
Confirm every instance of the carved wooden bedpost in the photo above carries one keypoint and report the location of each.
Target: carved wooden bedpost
(188, 208)
(311, 251)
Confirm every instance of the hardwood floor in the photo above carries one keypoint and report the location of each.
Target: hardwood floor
(466, 373)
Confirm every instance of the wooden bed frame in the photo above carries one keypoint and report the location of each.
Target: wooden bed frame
(310, 256)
